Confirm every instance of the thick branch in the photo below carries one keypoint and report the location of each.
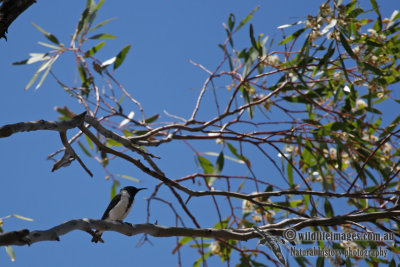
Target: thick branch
(28, 126)
(87, 225)
(9, 11)
(13, 237)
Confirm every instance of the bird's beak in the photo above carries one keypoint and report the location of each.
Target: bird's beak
(141, 189)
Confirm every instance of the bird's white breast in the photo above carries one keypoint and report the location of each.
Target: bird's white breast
(120, 211)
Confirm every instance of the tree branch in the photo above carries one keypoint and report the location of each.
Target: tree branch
(9, 11)
(28, 126)
(13, 237)
(24, 237)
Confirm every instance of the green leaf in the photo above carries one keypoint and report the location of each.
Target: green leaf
(114, 189)
(10, 252)
(291, 37)
(205, 164)
(121, 56)
(328, 55)
(127, 133)
(219, 165)
(247, 100)
(99, 4)
(185, 240)
(84, 149)
(222, 225)
(82, 21)
(320, 262)
(89, 141)
(112, 142)
(235, 153)
(289, 170)
(101, 24)
(231, 21)
(375, 7)
(346, 45)
(94, 49)
(102, 36)
(182, 242)
(373, 69)
(252, 39)
(198, 262)
(49, 36)
(246, 19)
(328, 209)
(152, 118)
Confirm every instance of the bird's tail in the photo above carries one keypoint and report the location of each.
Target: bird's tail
(97, 237)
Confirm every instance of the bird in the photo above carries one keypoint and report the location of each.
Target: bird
(119, 208)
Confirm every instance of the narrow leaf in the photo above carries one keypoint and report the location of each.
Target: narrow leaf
(152, 118)
(328, 208)
(51, 61)
(127, 177)
(231, 21)
(114, 189)
(205, 164)
(219, 165)
(10, 252)
(84, 149)
(246, 19)
(49, 36)
(182, 242)
(291, 37)
(235, 153)
(36, 75)
(101, 24)
(50, 45)
(89, 141)
(22, 217)
(82, 21)
(289, 169)
(375, 7)
(346, 45)
(35, 57)
(121, 56)
(94, 49)
(112, 142)
(373, 69)
(102, 36)
(290, 25)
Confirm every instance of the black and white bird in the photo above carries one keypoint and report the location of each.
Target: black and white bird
(119, 208)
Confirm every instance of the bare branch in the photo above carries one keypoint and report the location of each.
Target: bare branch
(12, 237)
(28, 126)
(9, 11)
(53, 234)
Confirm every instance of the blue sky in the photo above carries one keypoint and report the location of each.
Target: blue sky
(164, 35)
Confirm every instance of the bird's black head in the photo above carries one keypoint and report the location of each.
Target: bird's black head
(132, 190)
